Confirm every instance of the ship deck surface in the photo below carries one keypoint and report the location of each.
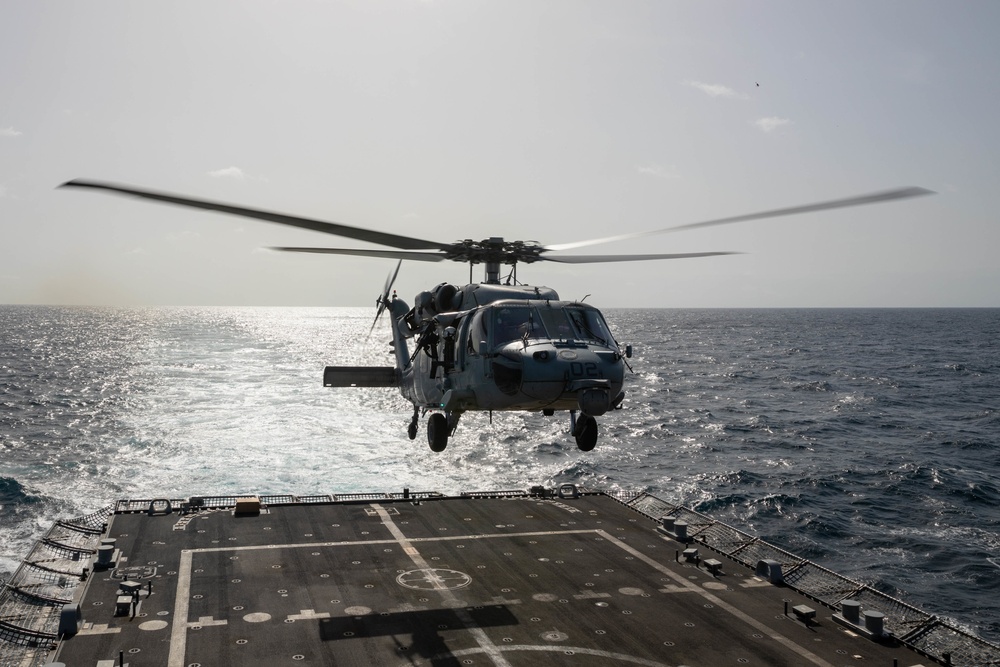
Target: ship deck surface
(449, 581)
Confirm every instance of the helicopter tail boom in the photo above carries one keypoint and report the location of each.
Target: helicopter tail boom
(360, 376)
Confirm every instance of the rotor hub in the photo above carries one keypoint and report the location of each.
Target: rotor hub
(494, 250)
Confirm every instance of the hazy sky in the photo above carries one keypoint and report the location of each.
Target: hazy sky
(539, 120)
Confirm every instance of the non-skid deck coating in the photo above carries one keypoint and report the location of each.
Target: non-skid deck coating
(499, 581)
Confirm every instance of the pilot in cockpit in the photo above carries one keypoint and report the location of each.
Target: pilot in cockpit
(527, 329)
(506, 326)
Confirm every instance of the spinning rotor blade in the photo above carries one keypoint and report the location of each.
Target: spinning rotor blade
(384, 298)
(861, 200)
(593, 259)
(391, 254)
(337, 229)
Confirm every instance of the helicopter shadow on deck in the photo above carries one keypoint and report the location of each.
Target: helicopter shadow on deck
(423, 629)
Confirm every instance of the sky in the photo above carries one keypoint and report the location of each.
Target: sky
(552, 121)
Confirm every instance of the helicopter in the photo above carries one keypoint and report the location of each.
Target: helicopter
(497, 345)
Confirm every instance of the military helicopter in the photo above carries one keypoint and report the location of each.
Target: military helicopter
(499, 344)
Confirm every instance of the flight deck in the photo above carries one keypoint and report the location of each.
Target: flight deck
(551, 576)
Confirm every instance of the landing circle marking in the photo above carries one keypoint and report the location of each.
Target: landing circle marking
(257, 617)
(433, 579)
(153, 625)
(359, 610)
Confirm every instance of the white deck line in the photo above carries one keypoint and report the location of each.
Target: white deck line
(178, 633)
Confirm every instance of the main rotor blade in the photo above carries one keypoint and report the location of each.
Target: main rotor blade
(593, 259)
(391, 254)
(337, 229)
(861, 200)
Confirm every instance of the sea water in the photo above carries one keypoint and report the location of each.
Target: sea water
(865, 440)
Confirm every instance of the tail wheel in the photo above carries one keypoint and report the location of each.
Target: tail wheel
(585, 433)
(437, 432)
(411, 430)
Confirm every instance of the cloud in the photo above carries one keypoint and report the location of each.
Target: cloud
(3, 191)
(771, 123)
(659, 171)
(228, 172)
(9, 132)
(715, 90)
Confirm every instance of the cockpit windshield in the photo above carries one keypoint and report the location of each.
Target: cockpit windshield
(513, 322)
(590, 324)
(557, 324)
(516, 322)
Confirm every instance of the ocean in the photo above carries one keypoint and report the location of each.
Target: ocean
(865, 440)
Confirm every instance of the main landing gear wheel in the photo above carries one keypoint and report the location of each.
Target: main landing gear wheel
(585, 432)
(437, 432)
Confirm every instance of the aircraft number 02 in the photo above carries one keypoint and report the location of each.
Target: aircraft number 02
(584, 369)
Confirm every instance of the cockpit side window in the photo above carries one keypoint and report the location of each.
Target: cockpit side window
(476, 333)
(462, 342)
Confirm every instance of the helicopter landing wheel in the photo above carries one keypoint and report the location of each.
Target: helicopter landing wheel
(411, 431)
(585, 433)
(437, 432)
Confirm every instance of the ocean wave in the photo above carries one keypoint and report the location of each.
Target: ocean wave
(13, 495)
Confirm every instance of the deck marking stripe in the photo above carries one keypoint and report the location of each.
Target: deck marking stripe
(353, 543)
(99, 629)
(450, 599)
(621, 657)
(178, 633)
(746, 618)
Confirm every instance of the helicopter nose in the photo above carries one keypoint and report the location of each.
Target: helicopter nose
(594, 401)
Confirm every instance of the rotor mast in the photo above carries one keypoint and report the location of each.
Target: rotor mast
(493, 260)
